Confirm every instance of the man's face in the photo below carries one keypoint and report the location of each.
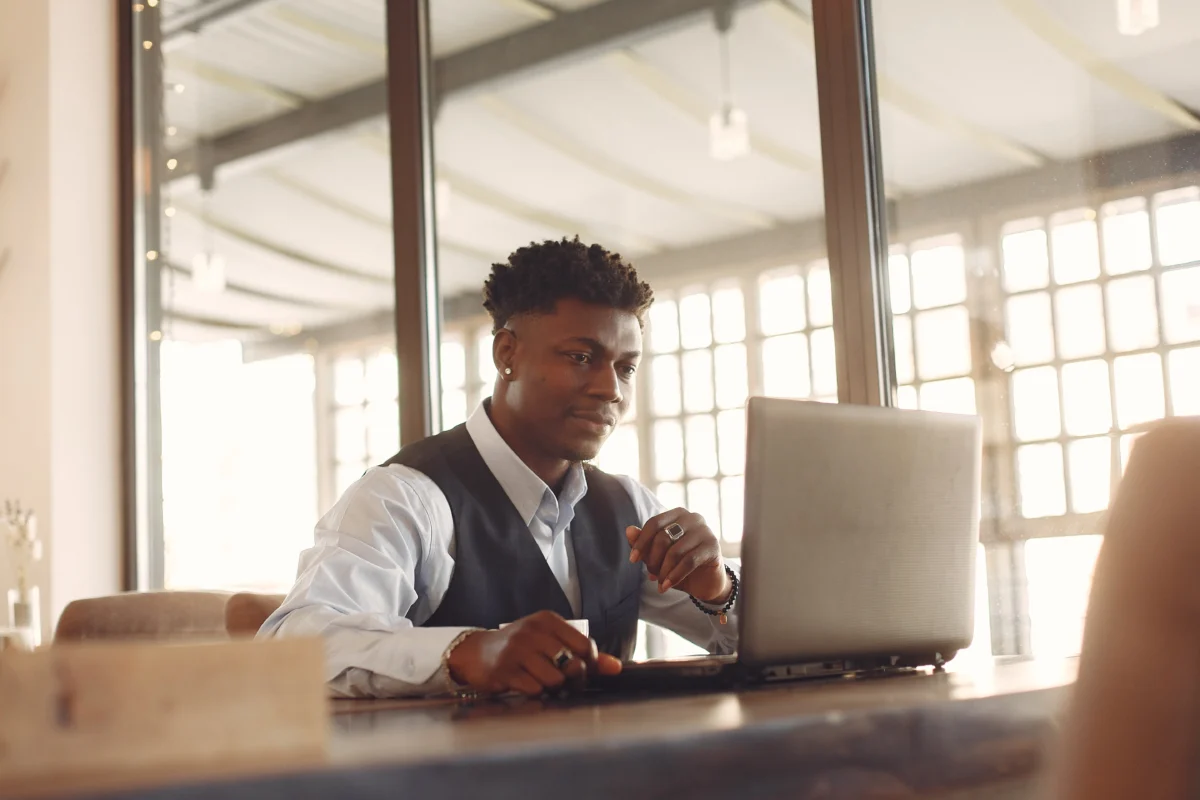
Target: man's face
(573, 375)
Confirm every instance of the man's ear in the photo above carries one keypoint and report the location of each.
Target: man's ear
(504, 353)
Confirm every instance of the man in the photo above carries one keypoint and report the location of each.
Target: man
(501, 520)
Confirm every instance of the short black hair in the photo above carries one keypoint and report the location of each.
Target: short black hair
(536, 277)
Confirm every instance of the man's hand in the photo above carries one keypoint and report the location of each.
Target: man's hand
(691, 564)
(521, 657)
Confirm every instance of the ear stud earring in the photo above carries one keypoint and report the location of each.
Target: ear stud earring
(508, 370)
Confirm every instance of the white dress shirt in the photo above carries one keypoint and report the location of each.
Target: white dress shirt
(384, 555)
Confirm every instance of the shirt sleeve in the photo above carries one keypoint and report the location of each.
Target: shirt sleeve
(674, 609)
(357, 588)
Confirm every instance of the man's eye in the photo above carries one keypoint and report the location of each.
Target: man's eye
(628, 371)
(580, 358)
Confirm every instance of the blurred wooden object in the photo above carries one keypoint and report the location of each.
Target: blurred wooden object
(113, 715)
(166, 616)
(1134, 728)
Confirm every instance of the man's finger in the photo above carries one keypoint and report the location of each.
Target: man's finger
(521, 681)
(687, 565)
(676, 556)
(692, 524)
(538, 665)
(608, 665)
(652, 527)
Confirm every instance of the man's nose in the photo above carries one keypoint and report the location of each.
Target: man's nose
(606, 384)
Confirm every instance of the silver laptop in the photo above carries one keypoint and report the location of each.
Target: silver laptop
(859, 545)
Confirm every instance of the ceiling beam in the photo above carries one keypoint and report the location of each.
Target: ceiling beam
(569, 36)
(195, 18)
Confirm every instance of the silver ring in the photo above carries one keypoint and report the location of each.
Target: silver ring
(674, 531)
(562, 658)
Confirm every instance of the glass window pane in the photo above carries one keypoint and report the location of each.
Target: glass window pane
(733, 498)
(1126, 237)
(902, 343)
(906, 397)
(664, 326)
(454, 408)
(1181, 304)
(1132, 316)
(729, 315)
(1080, 321)
(350, 434)
(454, 364)
(671, 495)
(1178, 232)
(939, 275)
(701, 432)
(1035, 403)
(1040, 480)
(383, 374)
(955, 396)
(820, 295)
(1139, 382)
(619, 456)
(1090, 462)
(704, 498)
(1185, 381)
(943, 343)
(1087, 402)
(349, 382)
(487, 364)
(785, 366)
(781, 304)
(731, 438)
(695, 322)
(1026, 262)
(668, 450)
(697, 381)
(383, 431)
(664, 375)
(1059, 572)
(898, 279)
(732, 383)
(980, 651)
(824, 363)
(1076, 249)
(1030, 331)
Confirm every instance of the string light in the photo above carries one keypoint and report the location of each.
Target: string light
(155, 336)
(172, 163)
(179, 87)
(138, 7)
(169, 211)
(152, 3)
(172, 130)
(146, 45)
(151, 255)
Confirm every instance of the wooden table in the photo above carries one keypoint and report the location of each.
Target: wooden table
(901, 736)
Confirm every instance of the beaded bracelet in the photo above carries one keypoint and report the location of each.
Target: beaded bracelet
(723, 613)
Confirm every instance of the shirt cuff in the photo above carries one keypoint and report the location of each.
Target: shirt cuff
(416, 655)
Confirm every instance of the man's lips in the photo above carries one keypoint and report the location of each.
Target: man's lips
(596, 419)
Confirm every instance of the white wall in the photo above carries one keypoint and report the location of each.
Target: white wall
(59, 345)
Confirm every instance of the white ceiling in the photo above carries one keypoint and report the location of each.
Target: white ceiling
(615, 147)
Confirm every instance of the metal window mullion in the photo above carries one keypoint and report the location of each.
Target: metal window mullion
(1052, 290)
(754, 337)
(1156, 273)
(856, 236)
(324, 412)
(1109, 358)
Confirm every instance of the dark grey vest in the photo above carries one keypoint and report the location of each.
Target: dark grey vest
(500, 574)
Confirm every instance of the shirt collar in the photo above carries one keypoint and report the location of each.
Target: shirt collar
(524, 488)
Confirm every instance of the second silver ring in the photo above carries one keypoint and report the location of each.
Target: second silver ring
(674, 531)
